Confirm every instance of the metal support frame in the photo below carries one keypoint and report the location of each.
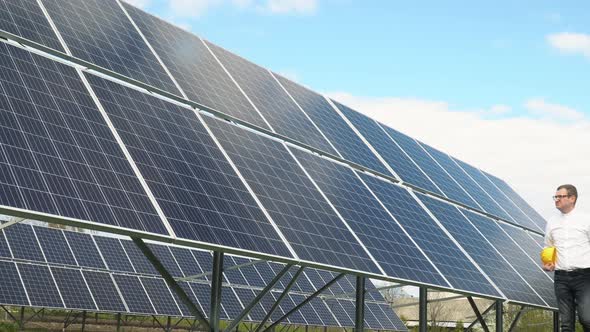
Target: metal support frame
(216, 281)
(257, 299)
(485, 312)
(279, 299)
(11, 222)
(499, 315)
(482, 321)
(556, 321)
(359, 324)
(516, 319)
(304, 302)
(233, 267)
(423, 310)
(194, 310)
(83, 321)
(119, 322)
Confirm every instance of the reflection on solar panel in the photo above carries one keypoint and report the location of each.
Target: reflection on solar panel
(307, 221)
(521, 262)
(146, 292)
(527, 242)
(99, 32)
(376, 229)
(437, 245)
(194, 68)
(197, 189)
(271, 100)
(490, 261)
(338, 132)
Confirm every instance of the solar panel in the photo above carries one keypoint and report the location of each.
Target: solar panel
(63, 158)
(12, 291)
(113, 253)
(197, 189)
(517, 200)
(86, 255)
(98, 31)
(471, 186)
(23, 243)
(40, 286)
(194, 68)
(307, 221)
(405, 168)
(527, 242)
(54, 246)
(517, 215)
(525, 266)
(160, 296)
(437, 245)
(4, 250)
(499, 271)
(271, 100)
(165, 257)
(73, 289)
(186, 261)
(24, 18)
(391, 247)
(436, 173)
(138, 259)
(134, 294)
(103, 291)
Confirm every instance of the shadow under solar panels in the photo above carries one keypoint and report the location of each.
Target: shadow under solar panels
(388, 244)
(304, 217)
(502, 274)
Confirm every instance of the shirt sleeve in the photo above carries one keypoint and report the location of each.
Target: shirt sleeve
(548, 237)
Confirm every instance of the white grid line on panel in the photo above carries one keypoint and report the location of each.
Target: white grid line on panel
(119, 292)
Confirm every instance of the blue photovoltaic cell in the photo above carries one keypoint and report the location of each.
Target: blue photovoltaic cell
(388, 149)
(338, 132)
(311, 316)
(233, 276)
(271, 100)
(525, 241)
(203, 293)
(113, 254)
(138, 259)
(54, 245)
(165, 257)
(305, 218)
(499, 271)
(382, 236)
(443, 252)
(196, 187)
(4, 250)
(84, 249)
(516, 214)
(247, 295)
(73, 289)
(342, 316)
(57, 154)
(189, 292)
(230, 303)
(437, 174)
(194, 68)
(470, 185)
(518, 201)
(250, 273)
(104, 291)
(523, 264)
(160, 296)
(186, 261)
(286, 305)
(322, 310)
(204, 260)
(99, 32)
(12, 291)
(134, 294)
(23, 242)
(24, 18)
(40, 286)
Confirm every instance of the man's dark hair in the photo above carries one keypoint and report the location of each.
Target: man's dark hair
(571, 191)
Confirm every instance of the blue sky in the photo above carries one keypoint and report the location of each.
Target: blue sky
(504, 83)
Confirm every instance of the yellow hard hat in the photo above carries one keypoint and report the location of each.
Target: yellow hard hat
(548, 255)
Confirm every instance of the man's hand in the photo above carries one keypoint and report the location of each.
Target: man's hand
(549, 267)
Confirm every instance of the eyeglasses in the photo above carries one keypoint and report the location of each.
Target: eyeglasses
(558, 197)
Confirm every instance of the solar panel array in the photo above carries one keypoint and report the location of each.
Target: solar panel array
(116, 277)
(92, 150)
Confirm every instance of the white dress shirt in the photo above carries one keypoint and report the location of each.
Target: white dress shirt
(570, 235)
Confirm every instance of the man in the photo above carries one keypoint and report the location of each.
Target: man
(569, 233)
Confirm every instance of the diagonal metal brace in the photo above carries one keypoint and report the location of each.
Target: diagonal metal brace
(257, 299)
(11, 222)
(281, 297)
(171, 282)
(307, 300)
(485, 312)
(478, 314)
(516, 319)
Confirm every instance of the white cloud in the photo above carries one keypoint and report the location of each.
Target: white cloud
(289, 6)
(570, 43)
(139, 3)
(533, 155)
(192, 8)
(554, 112)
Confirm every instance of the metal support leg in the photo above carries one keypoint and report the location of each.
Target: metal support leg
(499, 316)
(515, 320)
(83, 321)
(119, 322)
(169, 324)
(359, 323)
(556, 321)
(21, 322)
(478, 314)
(423, 310)
(217, 279)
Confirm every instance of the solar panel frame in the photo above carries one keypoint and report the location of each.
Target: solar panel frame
(12, 291)
(104, 291)
(73, 288)
(54, 245)
(40, 286)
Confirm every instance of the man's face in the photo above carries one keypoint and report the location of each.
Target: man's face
(563, 202)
